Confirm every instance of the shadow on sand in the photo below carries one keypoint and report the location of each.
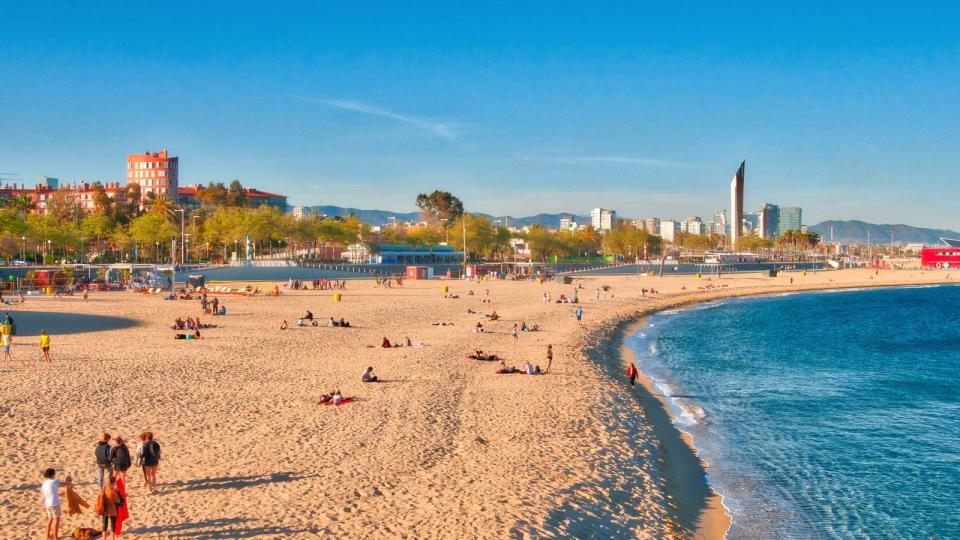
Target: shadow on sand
(233, 482)
(211, 529)
(29, 323)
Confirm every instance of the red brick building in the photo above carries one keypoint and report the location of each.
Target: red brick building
(155, 172)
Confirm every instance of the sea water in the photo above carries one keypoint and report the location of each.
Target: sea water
(821, 415)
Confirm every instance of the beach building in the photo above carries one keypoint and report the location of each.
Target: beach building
(83, 194)
(602, 219)
(154, 172)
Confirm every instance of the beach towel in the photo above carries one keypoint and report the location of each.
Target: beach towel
(75, 502)
(123, 512)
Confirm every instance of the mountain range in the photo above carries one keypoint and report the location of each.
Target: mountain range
(852, 232)
(859, 232)
(382, 217)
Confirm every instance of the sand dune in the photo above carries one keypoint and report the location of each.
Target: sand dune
(442, 448)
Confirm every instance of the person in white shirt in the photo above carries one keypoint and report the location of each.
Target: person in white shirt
(529, 369)
(51, 503)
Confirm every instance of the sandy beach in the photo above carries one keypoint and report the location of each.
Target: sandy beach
(443, 447)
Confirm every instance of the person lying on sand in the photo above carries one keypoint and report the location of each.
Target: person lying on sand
(385, 343)
(283, 325)
(493, 316)
(470, 311)
(441, 323)
(194, 335)
(529, 369)
(368, 375)
(503, 369)
(327, 397)
(451, 295)
(479, 355)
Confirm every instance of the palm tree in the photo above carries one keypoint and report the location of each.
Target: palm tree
(162, 205)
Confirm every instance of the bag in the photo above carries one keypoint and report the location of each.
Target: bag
(154, 449)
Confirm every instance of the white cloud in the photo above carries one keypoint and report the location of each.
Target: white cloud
(445, 130)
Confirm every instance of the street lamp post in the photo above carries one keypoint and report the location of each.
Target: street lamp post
(156, 252)
(49, 249)
(23, 248)
(182, 249)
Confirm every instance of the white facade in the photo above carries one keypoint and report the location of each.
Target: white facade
(602, 219)
(567, 223)
(652, 225)
(669, 230)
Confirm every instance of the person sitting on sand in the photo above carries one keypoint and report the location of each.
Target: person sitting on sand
(530, 370)
(343, 323)
(333, 323)
(493, 316)
(385, 343)
(368, 375)
(283, 325)
(479, 328)
(178, 324)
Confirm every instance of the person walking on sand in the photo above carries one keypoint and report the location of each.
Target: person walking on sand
(514, 334)
(7, 339)
(579, 314)
(45, 345)
(632, 374)
(86, 294)
(120, 457)
(102, 453)
(549, 357)
(51, 503)
(151, 460)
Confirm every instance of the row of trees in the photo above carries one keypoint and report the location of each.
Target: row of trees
(146, 231)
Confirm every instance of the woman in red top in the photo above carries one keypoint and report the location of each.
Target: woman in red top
(632, 373)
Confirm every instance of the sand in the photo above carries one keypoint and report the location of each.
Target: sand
(442, 448)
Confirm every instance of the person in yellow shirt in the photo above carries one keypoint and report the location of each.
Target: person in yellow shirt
(45, 345)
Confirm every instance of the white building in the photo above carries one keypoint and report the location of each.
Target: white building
(693, 225)
(602, 219)
(568, 223)
(669, 230)
(652, 225)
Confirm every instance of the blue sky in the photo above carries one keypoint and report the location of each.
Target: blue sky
(850, 111)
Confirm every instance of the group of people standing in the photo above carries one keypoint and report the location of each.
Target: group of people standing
(113, 462)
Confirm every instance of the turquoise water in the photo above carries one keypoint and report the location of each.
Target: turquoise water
(821, 415)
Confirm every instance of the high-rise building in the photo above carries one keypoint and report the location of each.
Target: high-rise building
(652, 225)
(155, 172)
(776, 220)
(736, 204)
(669, 230)
(693, 225)
(769, 221)
(790, 219)
(602, 219)
(751, 220)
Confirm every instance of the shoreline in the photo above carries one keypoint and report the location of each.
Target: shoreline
(700, 510)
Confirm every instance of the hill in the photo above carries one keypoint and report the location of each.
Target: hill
(855, 232)
(382, 217)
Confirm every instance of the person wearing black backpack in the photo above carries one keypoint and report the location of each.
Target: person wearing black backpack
(151, 460)
(103, 452)
(120, 458)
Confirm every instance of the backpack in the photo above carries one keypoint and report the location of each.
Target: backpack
(151, 453)
(121, 458)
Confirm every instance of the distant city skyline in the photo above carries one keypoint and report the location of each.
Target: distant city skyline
(520, 110)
